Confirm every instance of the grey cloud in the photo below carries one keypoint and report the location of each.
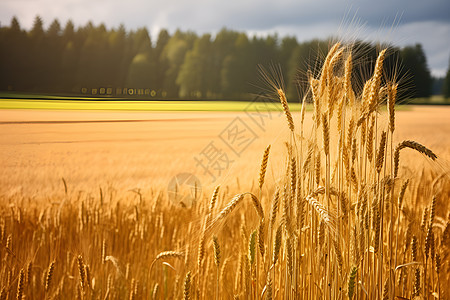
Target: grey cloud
(246, 14)
(265, 14)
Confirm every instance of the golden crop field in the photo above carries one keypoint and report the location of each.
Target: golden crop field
(347, 201)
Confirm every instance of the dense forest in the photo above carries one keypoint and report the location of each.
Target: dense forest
(95, 60)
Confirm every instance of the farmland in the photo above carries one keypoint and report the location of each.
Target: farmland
(128, 150)
(344, 199)
(121, 156)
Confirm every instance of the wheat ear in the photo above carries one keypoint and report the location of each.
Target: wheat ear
(213, 201)
(48, 280)
(412, 145)
(21, 284)
(81, 271)
(352, 282)
(264, 161)
(287, 112)
(187, 286)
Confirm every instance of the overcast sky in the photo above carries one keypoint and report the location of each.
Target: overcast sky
(401, 22)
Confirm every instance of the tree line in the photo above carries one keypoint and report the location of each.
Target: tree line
(183, 65)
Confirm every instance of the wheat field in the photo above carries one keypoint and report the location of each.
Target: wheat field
(347, 201)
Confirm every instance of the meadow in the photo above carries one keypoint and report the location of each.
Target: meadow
(347, 199)
(126, 105)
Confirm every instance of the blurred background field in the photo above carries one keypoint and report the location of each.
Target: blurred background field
(130, 105)
(128, 150)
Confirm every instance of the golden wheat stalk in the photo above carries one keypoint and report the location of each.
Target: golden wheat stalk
(287, 112)
(262, 172)
(168, 254)
(28, 273)
(392, 96)
(380, 153)
(326, 135)
(352, 282)
(261, 238)
(276, 246)
(187, 286)
(21, 284)
(373, 96)
(216, 251)
(274, 210)
(314, 86)
(103, 251)
(201, 245)
(412, 145)
(321, 210)
(213, 201)
(323, 80)
(49, 276)
(252, 248)
(257, 205)
(229, 208)
(81, 271)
